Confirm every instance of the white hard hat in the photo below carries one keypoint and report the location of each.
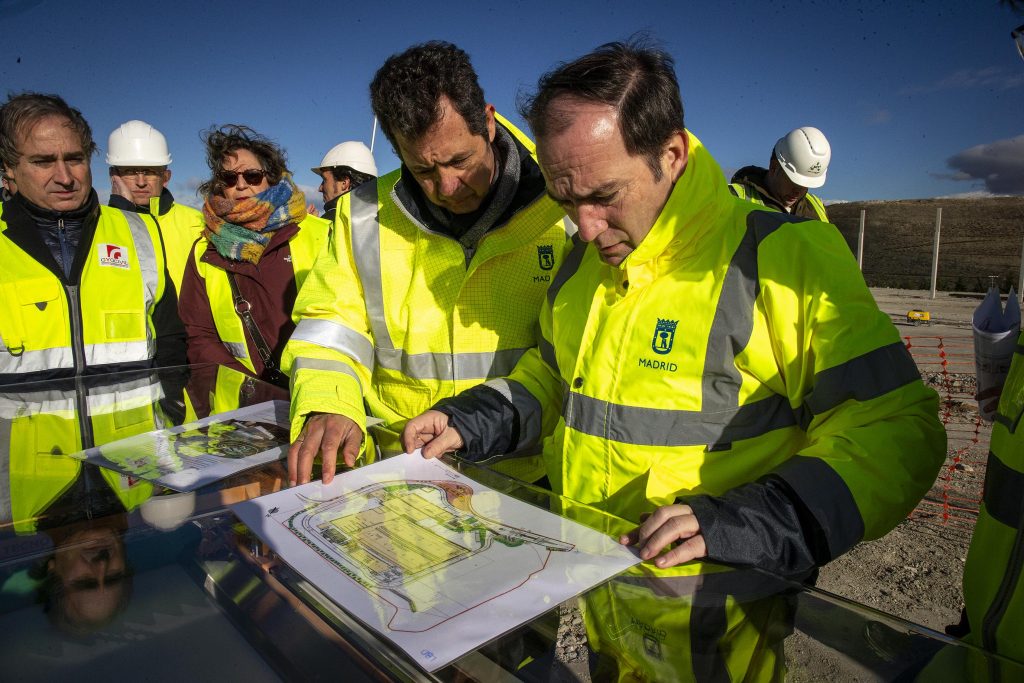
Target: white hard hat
(136, 143)
(804, 154)
(355, 155)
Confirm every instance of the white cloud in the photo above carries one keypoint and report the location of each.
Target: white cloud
(973, 194)
(999, 165)
(992, 77)
(185, 191)
(313, 196)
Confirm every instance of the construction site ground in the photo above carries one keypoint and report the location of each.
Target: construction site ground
(915, 571)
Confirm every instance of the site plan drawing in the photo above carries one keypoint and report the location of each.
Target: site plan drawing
(436, 562)
(189, 456)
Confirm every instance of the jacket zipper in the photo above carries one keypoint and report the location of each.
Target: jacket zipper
(84, 418)
(75, 315)
(78, 353)
(65, 255)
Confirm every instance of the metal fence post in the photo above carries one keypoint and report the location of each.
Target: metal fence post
(935, 249)
(1020, 280)
(860, 244)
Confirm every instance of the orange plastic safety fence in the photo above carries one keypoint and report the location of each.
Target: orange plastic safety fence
(947, 364)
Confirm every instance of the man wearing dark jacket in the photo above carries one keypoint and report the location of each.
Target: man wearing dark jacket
(799, 161)
(84, 288)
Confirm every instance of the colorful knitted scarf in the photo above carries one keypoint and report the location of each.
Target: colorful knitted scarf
(240, 230)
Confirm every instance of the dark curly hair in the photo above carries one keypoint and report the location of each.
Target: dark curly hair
(21, 112)
(406, 91)
(223, 141)
(637, 80)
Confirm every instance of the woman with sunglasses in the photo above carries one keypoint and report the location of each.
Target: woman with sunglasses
(258, 246)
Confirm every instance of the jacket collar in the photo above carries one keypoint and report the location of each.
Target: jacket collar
(23, 220)
(161, 204)
(332, 204)
(408, 194)
(689, 215)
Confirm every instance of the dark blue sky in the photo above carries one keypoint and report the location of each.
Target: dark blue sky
(902, 90)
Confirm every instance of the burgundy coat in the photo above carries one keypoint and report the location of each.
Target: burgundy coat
(269, 286)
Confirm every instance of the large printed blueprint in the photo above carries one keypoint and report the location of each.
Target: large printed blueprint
(432, 560)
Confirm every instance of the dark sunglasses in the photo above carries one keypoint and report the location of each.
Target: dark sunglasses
(252, 177)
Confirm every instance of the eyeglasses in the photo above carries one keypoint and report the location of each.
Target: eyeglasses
(130, 172)
(253, 176)
(1018, 36)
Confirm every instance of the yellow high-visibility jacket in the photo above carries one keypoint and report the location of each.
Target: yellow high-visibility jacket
(751, 194)
(180, 227)
(106, 318)
(695, 622)
(993, 587)
(46, 425)
(401, 316)
(304, 248)
(733, 343)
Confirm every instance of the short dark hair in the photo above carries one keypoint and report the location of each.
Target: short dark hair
(638, 81)
(223, 141)
(406, 91)
(356, 178)
(21, 112)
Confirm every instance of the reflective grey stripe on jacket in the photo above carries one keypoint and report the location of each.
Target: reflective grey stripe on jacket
(863, 378)
(44, 401)
(569, 266)
(570, 228)
(145, 251)
(333, 335)
(130, 352)
(639, 426)
(110, 353)
(447, 366)
(101, 400)
(424, 366)
(125, 395)
(324, 365)
(237, 349)
(61, 357)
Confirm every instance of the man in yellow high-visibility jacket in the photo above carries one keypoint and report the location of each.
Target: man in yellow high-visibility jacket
(720, 367)
(435, 273)
(138, 157)
(84, 288)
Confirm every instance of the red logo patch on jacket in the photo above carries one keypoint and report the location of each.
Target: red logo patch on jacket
(113, 255)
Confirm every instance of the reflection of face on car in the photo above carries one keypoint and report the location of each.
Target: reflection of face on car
(87, 582)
